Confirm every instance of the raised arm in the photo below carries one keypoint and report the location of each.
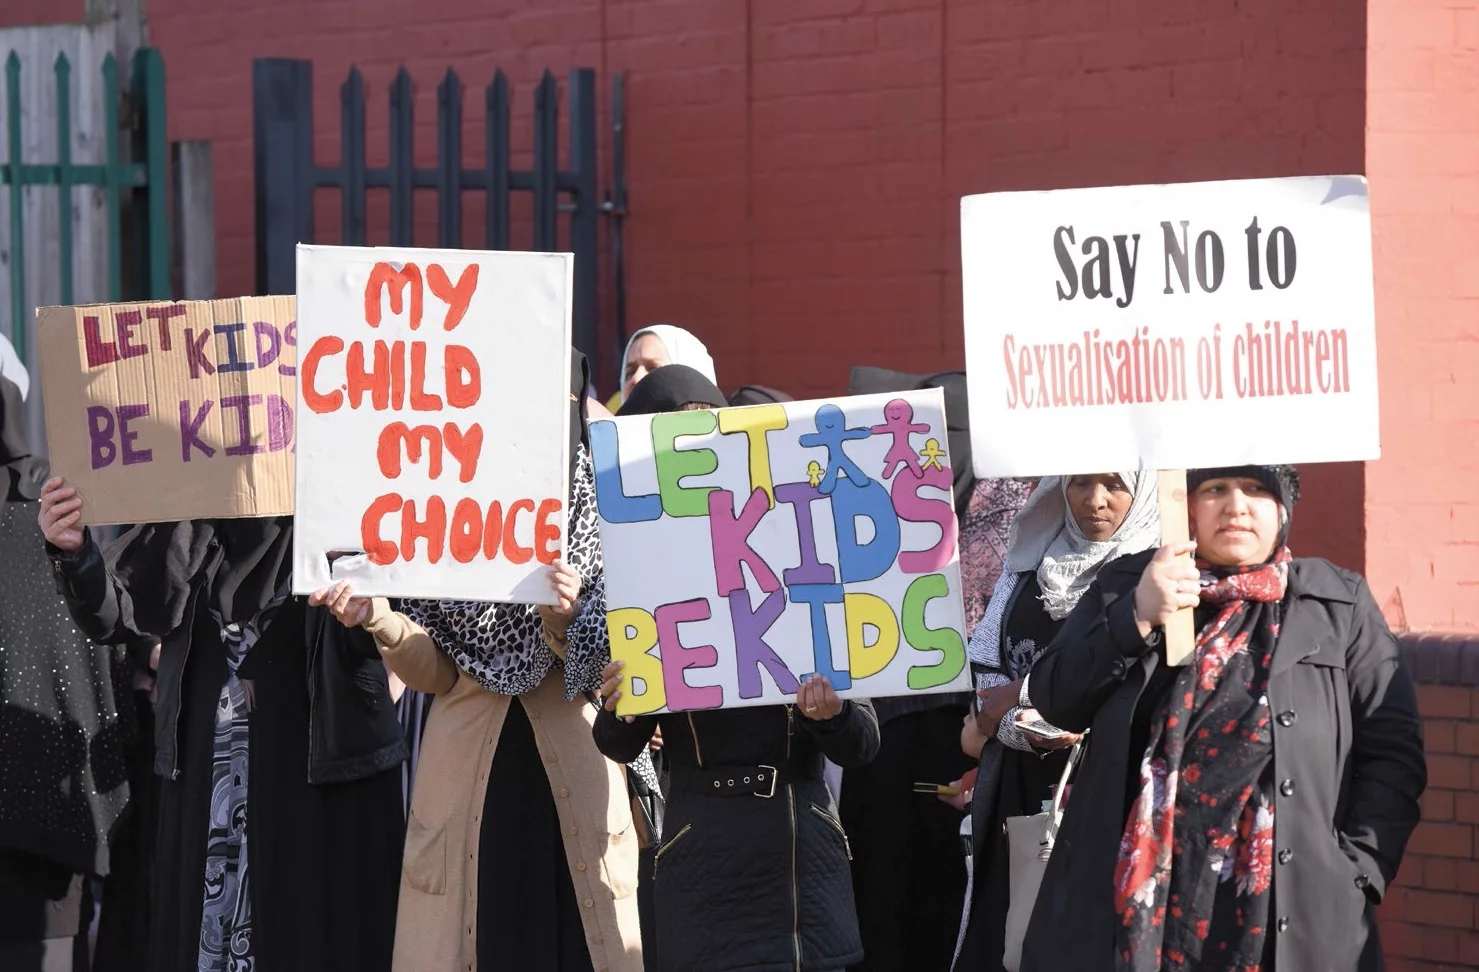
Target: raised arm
(96, 600)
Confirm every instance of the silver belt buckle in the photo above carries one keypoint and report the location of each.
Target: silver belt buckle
(767, 796)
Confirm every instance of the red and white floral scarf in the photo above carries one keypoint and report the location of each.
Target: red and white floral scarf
(1195, 870)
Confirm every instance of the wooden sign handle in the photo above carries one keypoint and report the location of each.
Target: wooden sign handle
(1181, 630)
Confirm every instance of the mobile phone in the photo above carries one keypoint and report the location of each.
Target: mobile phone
(1041, 729)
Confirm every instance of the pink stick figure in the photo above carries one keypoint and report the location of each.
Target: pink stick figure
(897, 415)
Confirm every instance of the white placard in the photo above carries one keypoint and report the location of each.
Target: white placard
(1170, 327)
(433, 406)
(746, 548)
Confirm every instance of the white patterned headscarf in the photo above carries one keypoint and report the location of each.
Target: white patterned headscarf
(1046, 538)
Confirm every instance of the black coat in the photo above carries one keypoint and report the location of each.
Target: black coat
(1348, 759)
(758, 880)
(353, 729)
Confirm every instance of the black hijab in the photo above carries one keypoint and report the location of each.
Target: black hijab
(866, 380)
(758, 395)
(669, 388)
(160, 563)
(580, 379)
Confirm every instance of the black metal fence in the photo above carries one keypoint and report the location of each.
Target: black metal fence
(287, 174)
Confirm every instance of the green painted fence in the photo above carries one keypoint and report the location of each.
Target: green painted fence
(146, 179)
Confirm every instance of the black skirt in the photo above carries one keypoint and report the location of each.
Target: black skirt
(528, 916)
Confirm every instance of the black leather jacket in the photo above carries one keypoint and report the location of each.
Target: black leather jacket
(353, 730)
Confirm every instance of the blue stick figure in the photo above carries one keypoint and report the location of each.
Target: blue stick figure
(831, 432)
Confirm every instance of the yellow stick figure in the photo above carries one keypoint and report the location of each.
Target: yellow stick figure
(931, 454)
(814, 473)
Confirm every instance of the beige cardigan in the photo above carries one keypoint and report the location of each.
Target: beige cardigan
(436, 927)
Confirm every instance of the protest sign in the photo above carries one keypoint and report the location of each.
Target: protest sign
(172, 410)
(748, 547)
(1170, 327)
(433, 407)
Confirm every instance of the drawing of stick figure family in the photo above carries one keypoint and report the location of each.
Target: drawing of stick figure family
(898, 422)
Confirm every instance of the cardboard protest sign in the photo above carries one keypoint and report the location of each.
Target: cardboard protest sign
(1170, 327)
(433, 407)
(748, 547)
(172, 410)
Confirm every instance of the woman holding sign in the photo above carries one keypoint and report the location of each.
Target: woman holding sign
(521, 851)
(1246, 810)
(279, 805)
(1069, 528)
(754, 872)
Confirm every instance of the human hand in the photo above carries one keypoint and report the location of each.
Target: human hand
(351, 611)
(655, 743)
(1041, 743)
(964, 787)
(996, 702)
(61, 515)
(566, 582)
(1170, 583)
(609, 692)
(817, 700)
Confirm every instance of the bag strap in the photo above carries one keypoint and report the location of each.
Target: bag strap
(1055, 816)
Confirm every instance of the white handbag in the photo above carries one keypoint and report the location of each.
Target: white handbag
(1030, 842)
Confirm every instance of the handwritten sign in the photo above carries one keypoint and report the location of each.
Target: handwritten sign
(1170, 327)
(432, 421)
(748, 547)
(172, 411)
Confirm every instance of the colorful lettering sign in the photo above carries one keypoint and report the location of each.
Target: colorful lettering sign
(172, 410)
(746, 548)
(1170, 327)
(434, 401)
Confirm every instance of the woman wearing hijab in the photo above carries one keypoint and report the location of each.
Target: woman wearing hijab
(752, 877)
(658, 345)
(63, 781)
(1246, 810)
(280, 819)
(1068, 530)
(520, 851)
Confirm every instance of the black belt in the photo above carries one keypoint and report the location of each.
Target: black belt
(758, 781)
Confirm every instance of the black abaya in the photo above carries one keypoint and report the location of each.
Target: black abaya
(528, 916)
(324, 860)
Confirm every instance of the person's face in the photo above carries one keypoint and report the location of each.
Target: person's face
(1099, 504)
(1235, 521)
(646, 354)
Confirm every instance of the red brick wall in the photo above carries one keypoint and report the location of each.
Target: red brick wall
(28, 13)
(796, 167)
(1423, 160)
(1430, 919)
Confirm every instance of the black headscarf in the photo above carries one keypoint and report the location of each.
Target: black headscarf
(580, 379)
(24, 473)
(758, 395)
(866, 380)
(159, 563)
(668, 389)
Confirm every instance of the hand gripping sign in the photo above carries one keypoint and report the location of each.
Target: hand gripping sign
(433, 404)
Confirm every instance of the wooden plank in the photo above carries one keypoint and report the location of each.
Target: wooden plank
(38, 47)
(127, 25)
(195, 219)
(1176, 528)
